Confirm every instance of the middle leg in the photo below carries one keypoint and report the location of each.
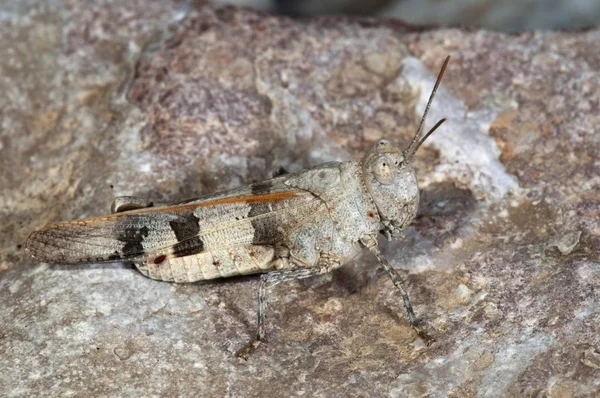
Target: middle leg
(267, 281)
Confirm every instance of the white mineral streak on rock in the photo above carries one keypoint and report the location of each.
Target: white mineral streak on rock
(467, 155)
(499, 372)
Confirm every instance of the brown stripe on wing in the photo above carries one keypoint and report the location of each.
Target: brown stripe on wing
(262, 198)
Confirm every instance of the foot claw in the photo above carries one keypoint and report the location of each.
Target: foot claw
(245, 352)
(429, 339)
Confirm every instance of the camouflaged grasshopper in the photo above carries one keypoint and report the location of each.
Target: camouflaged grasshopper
(291, 227)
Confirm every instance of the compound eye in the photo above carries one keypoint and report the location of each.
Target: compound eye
(384, 170)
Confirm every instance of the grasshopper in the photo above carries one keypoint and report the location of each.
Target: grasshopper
(293, 226)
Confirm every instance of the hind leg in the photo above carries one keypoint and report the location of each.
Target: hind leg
(281, 171)
(126, 203)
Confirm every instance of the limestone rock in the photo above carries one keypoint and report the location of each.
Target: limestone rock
(170, 100)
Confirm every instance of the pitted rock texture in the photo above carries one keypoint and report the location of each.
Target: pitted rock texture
(170, 100)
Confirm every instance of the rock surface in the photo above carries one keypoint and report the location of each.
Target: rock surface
(169, 100)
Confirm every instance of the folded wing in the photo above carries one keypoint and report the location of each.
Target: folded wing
(260, 214)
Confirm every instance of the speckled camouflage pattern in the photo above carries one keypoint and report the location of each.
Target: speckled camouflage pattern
(293, 226)
(288, 222)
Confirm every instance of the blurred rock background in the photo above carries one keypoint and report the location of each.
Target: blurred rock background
(504, 15)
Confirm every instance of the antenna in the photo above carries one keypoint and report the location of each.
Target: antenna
(416, 143)
(438, 124)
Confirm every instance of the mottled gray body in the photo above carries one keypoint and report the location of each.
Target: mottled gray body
(313, 218)
(290, 227)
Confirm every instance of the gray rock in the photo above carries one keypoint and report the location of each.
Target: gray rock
(166, 101)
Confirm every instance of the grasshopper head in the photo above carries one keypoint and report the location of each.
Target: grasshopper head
(390, 178)
(392, 183)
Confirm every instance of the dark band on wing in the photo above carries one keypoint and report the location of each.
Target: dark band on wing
(265, 228)
(187, 231)
(261, 188)
(188, 247)
(133, 237)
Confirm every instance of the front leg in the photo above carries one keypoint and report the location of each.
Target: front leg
(370, 243)
(326, 264)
